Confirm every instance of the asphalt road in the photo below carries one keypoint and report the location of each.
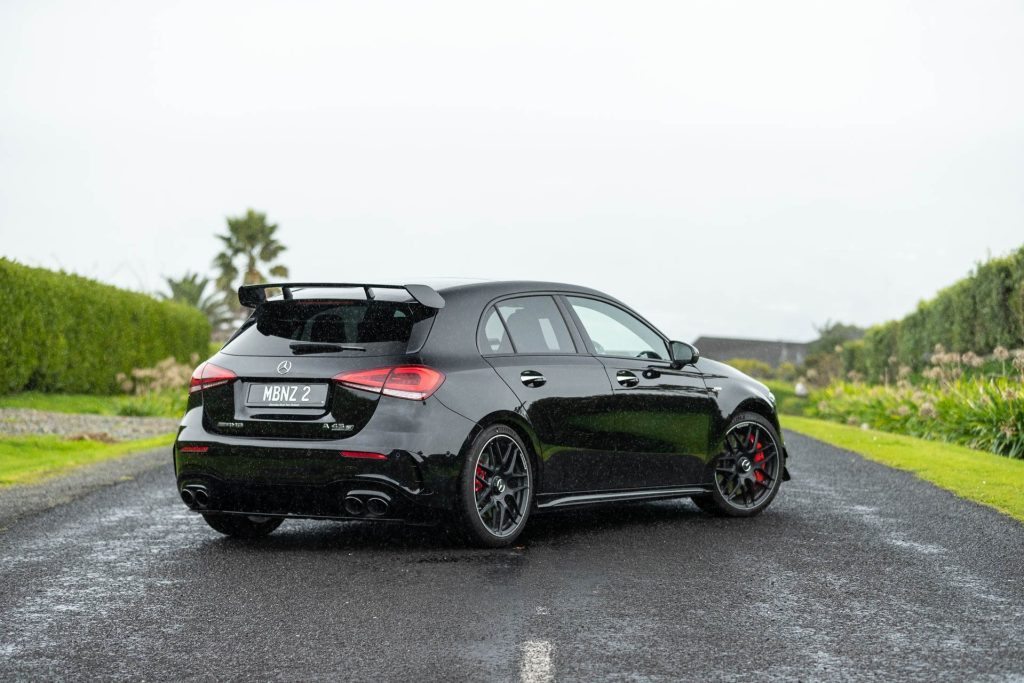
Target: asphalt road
(856, 572)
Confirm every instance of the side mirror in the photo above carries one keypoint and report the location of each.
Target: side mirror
(683, 354)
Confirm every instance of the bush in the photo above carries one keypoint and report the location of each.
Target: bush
(978, 412)
(66, 333)
(755, 368)
(981, 312)
(787, 402)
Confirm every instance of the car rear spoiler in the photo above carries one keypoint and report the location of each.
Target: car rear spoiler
(252, 296)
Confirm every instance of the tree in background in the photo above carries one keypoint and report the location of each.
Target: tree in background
(827, 356)
(191, 290)
(833, 334)
(249, 246)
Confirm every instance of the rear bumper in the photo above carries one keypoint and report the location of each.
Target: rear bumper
(311, 478)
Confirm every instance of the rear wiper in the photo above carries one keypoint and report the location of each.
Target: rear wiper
(314, 347)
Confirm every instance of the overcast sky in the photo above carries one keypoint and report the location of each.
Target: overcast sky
(737, 168)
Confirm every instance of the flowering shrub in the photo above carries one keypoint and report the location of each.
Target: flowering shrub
(167, 375)
(159, 390)
(982, 412)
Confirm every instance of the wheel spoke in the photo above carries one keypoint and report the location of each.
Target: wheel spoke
(485, 494)
(501, 517)
(513, 458)
(513, 507)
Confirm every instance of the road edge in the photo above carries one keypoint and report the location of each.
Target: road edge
(962, 488)
(23, 500)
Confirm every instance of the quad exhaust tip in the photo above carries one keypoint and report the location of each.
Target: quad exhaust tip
(196, 497)
(368, 503)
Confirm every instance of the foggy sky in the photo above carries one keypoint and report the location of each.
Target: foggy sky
(740, 168)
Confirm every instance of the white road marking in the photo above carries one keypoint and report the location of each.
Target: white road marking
(536, 665)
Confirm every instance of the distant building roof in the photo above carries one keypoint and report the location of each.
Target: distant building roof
(774, 353)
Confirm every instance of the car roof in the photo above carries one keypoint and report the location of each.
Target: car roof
(496, 288)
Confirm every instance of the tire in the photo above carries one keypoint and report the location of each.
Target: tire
(241, 526)
(746, 476)
(495, 489)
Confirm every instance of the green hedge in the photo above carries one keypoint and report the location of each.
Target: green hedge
(65, 333)
(977, 314)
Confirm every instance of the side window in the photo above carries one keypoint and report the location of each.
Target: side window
(492, 337)
(536, 325)
(615, 332)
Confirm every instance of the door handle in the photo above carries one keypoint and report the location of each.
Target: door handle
(626, 378)
(532, 378)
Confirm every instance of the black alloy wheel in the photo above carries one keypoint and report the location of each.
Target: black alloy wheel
(748, 472)
(498, 489)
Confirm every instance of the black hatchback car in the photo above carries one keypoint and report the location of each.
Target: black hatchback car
(479, 403)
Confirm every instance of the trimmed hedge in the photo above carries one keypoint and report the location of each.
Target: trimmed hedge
(66, 333)
(977, 314)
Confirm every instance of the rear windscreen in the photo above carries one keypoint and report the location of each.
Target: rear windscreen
(379, 327)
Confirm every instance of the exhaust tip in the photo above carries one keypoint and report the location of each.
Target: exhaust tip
(353, 506)
(377, 506)
(196, 497)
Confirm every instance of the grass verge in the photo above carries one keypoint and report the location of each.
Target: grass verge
(993, 480)
(170, 404)
(27, 459)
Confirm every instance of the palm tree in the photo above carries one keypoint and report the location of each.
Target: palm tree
(191, 290)
(249, 243)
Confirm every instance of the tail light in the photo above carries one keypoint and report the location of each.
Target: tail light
(413, 382)
(208, 376)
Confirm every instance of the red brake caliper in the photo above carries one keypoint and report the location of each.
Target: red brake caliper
(758, 457)
(478, 486)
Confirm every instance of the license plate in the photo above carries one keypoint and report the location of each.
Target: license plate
(286, 395)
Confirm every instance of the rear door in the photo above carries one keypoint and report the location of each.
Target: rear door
(527, 341)
(656, 419)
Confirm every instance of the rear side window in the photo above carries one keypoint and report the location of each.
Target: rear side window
(379, 327)
(493, 338)
(536, 325)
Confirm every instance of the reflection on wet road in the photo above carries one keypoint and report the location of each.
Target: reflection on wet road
(856, 569)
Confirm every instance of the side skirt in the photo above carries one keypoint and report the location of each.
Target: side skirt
(560, 500)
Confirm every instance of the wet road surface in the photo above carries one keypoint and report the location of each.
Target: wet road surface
(856, 572)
